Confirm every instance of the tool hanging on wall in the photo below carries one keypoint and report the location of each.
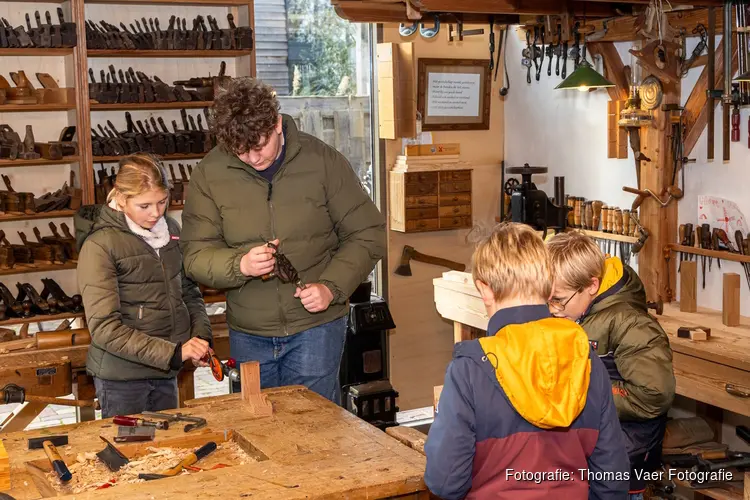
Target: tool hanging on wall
(460, 32)
(687, 63)
(527, 55)
(502, 48)
(541, 53)
(678, 127)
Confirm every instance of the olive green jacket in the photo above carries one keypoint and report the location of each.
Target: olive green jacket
(138, 305)
(632, 345)
(327, 225)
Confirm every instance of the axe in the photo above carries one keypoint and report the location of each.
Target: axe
(409, 254)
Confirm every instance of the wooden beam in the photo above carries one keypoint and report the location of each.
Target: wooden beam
(614, 69)
(526, 7)
(24, 417)
(696, 111)
(623, 29)
(659, 275)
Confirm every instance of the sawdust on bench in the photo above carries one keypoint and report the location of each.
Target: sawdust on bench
(90, 473)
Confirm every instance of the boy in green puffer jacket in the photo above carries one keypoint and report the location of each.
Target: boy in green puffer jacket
(608, 300)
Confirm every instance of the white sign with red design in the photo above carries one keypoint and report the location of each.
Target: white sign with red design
(721, 213)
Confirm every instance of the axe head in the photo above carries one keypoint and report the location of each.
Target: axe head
(404, 268)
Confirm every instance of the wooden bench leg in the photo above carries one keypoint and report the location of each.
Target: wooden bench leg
(84, 389)
(24, 417)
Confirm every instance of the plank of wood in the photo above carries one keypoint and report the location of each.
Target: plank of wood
(696, 110)
(257, 403)
(689, 286)
(410, 436)
(730, 307)
(24, 417)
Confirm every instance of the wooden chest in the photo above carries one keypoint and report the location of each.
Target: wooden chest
(430, 200)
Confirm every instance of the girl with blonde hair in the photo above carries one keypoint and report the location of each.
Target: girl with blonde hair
(145, 316)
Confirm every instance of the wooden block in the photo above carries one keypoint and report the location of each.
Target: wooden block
(436, 396)
(622, 134)
(4, 469)
(730, 307)
(409, 436)
(689, 286)
(612, 129)
(257, 403)
(433, 149)
(694, 333)
(397, 103)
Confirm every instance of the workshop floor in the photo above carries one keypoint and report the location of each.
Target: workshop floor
(205, 385)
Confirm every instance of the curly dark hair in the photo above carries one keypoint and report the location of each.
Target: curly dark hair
(244, 112)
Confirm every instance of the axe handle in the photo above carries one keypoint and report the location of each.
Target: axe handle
(428, 259)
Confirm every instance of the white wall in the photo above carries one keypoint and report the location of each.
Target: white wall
(566, 131)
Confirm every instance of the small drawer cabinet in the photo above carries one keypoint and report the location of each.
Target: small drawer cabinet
(430, 201)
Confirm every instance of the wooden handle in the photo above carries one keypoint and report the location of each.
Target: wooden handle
(618, 221)
(81, 403)
(681, 234)
(589, 215)
(738, 391)
(437, 261)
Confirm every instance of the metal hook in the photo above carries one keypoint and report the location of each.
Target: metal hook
(404, 30)
(432, 31)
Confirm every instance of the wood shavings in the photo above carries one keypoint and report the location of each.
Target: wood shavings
(90, 473)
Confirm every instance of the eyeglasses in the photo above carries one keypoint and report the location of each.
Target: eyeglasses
(559, 305)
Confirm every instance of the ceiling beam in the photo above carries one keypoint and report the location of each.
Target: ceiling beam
(614, 69)
(521, 7)
(623, 29)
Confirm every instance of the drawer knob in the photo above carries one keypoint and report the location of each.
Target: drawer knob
(421, 224)
(455, 198)
(735, 390)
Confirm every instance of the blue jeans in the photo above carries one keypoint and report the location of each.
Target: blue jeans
(635, 496)
(310, 358)
(129, 397)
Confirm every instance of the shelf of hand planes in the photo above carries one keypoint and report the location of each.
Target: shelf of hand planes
(146, 38)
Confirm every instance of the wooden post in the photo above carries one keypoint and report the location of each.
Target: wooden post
(257, 403)
(689, 286)
(186, 384)
(659, 276)
(84, 389)
(730, 307)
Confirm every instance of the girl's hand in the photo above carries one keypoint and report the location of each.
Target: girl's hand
(195, 349)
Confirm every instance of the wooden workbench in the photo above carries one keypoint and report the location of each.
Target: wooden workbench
(309, 448)
(69, 364)
(714, 372)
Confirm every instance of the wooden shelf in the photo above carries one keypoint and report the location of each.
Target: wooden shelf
(599, 234)
(104, 159)
(150, 105)
(35, 51)
(23, 108)
(717, 254)
(40, 162)
(167, 53)
(610, 236)
(54, 214)
(40, 318)
(40, 268)
(169, 2)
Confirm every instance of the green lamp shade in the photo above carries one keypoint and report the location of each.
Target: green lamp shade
(743, 78)
(583, 78)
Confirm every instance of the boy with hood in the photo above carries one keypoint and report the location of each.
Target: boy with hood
(609, 301)
(526, 412)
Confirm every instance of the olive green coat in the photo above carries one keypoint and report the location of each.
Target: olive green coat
(138, 304)
(327, 225)
(632, 344)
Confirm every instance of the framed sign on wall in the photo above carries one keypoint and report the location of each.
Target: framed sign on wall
(454, 94)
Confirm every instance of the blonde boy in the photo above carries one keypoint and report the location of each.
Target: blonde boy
(609, 301)
(527, 411)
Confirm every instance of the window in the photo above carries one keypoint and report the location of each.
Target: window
(320, 65)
